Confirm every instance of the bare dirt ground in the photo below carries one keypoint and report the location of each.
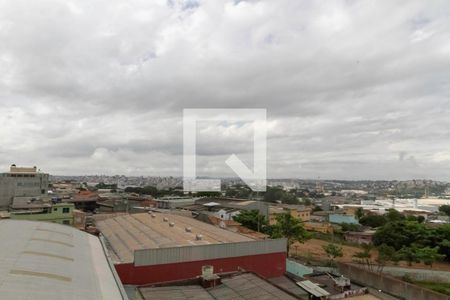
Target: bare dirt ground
(313, 249)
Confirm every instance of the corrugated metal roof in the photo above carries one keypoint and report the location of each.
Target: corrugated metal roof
(313, 288)
(146, 257)
(128, 233)
(176, 293)
(40, 260)
(243, 286)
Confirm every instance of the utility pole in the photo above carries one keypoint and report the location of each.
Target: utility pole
(259, 209)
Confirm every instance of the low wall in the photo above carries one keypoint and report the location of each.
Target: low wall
(297, 269)
(380, 295)
(419, 274)
(387, 284)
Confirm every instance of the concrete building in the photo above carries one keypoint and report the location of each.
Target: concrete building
(239, 204)
(157, 247)
(296, 211)
(364, 237)
(323, 227)
(339, 218)
(21, 182)
(45, 261)
(85, 201)
(7, 190)
(41, 209)
(174, 202)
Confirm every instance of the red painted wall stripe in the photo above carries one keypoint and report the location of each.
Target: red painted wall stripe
(265, 265)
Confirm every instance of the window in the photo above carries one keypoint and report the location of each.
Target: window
(66, 210)
(66, 222)
(55, 209)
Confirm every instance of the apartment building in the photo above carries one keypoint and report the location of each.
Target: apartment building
(22, 182)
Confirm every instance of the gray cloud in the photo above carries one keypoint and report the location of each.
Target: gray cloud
(99, 87)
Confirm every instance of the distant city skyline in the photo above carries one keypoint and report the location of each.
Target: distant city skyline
(353, 89)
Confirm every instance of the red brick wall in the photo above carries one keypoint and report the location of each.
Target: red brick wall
(266, 265)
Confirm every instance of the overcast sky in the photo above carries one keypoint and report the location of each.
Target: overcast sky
(353, 89)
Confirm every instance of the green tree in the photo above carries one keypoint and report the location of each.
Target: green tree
(103, 185)
(385, 254)
(359, 213)
(306, 201)
(365, 255)
(404, 233)
(441, 237)
(273, 194)
(289, 198)
(350, 227)
(290, 228)
(238, 191)
(429, 255)
(409, 254)
(208, 194)
(445, 209)
(373, 221)
(444, 248)
(251, 219)
(317, 208)
(333, 251)
(132, 189)
(394, 215)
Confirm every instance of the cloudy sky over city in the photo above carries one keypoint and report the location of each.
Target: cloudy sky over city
(353, 89)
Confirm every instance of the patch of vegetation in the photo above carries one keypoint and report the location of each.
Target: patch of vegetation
(274, 194)
(439, 287)
(333, 251)
(153, 191)
(252, 219)
(290, 228)
(286, 226)
(414, 241)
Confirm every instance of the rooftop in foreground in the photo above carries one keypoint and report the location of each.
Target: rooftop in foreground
(40, 260)
(239, 286)
(128, 233)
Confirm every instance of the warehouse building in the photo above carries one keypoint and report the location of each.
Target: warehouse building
(40, 260)
(158, 247)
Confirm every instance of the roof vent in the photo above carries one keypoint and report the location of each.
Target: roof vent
(188, 229)
(208, 278)
(171, 224)
(207, 270)
(198, 237)
(165, 219)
